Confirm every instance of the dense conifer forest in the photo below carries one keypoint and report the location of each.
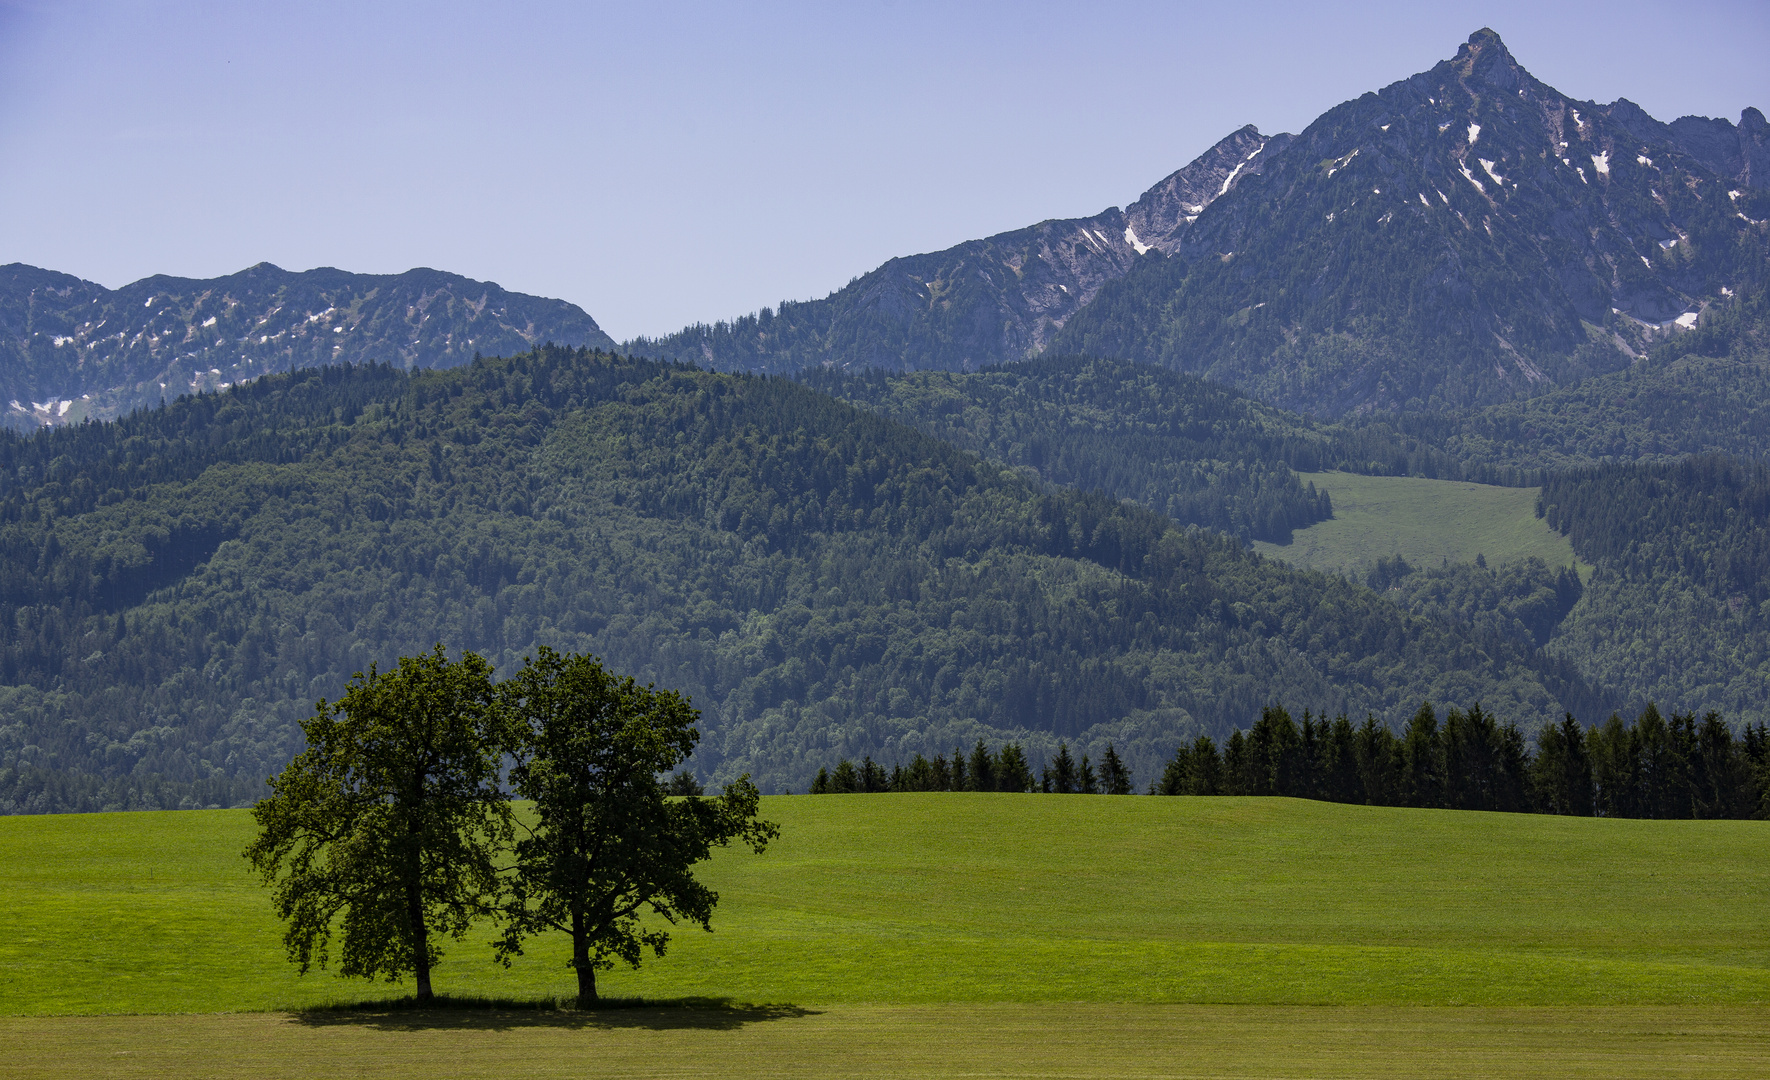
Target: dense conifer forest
(1652, 767)
(183, 584)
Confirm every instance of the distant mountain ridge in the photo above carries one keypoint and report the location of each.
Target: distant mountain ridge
(982, 302)
(72, 349)
(1465, 236)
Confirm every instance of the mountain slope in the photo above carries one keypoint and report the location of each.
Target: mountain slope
(978, 303)
(1464, 236)
(1193, 451)
(177, 588)
(1678, 609)
(70, 349)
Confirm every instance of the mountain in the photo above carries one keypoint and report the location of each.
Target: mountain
(71, 349)
(178, 587)
(979, 303)
(1466, 236)
(1702, 392)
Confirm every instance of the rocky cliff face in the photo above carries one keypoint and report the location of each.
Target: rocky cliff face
(1459, 237)
(982, 302)
(71, 349)
(1161, 217)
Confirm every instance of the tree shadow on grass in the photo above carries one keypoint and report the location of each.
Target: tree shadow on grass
(502, 1014)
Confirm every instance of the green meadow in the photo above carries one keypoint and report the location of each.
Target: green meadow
(985, 899)
(1427, 522)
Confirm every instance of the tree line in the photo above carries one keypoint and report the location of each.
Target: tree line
(982, 769)
(1651, 767)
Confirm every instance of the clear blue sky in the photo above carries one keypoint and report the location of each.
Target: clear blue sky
(661, 163)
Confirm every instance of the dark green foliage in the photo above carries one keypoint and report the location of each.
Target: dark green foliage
(1061, 776)
(1524, 601)
(1012, 771)
(982, 769)
(385, 828)
(609, 845)
(1679, 606)
(1650, 768)
(1115, 779)
(1196, 452)
(1561, 777)
(683, 783)
(985, 771)
(822, 582)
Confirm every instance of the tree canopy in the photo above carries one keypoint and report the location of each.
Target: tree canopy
(609, 844)
(387, 824)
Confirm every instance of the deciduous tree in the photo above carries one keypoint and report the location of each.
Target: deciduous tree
(609, 845)
(384, 829)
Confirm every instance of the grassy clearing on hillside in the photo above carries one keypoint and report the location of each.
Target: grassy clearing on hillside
(1424, 521)
(986, 898)
(989, 898)
(911, 1040)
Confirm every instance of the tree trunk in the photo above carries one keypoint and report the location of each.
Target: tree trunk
(581, 961)
(420, 940)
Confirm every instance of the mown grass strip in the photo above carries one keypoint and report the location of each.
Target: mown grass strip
(967, 1040)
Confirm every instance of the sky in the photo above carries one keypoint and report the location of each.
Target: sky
(663, 163)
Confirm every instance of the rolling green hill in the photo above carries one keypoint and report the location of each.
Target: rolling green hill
(989, 898)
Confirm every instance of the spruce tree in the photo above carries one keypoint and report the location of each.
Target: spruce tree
(1422, 756)
(1012, 771)
(1115, 779)
(1063, 776)
(983, 768)
(1086, 782)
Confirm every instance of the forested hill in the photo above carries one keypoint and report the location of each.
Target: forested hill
(1464, 236)
(177, 588)
(1702, 392)
(1197, 452)
(1679, 607)
(72, 350)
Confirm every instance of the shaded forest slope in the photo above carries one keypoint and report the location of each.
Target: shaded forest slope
(179, 587)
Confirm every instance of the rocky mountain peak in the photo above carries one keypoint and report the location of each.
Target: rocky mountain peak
(1163, 213)
(1485, 59)
(1456, 237)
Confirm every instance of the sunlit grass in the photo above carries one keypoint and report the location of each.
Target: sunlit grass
(1427, 522)
(987, 898)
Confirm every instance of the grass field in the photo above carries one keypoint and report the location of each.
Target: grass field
(925, 899)
(1424, 521)
(1121, 1041)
